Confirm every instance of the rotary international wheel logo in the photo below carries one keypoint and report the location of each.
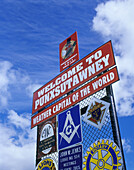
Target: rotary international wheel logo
(103, 155)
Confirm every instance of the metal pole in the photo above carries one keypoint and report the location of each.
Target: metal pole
(37, 160)
(115, 124)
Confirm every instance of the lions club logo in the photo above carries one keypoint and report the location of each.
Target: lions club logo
(47, 164)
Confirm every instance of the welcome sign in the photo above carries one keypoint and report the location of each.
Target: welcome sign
(93, 86)
(87, 68)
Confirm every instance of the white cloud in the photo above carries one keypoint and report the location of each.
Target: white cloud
(6, 77)
(9, 78)
(32, 88)
(6, 133)
(126, 145)
(12, 81)
(114, 20)
(13, 156)
(18, 142)
(22, 121)
(22, 124)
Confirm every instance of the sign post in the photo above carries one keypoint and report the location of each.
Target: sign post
(115, 124)
(75, 114)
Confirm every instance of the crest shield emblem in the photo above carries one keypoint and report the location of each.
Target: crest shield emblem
(96, 112)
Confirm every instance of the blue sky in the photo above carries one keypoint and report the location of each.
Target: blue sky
(30, 34)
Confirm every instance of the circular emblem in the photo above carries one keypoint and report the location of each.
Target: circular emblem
(47, 164)
(103, 154)
(46, 133)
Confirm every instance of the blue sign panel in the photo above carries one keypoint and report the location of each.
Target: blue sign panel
(69, 127)
(70, 159)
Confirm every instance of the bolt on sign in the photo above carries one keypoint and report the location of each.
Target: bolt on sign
(69, 127)
(84, 70)
(69, 53)
(96, 112)
(70, 158)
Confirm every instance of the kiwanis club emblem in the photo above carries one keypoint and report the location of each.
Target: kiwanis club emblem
(96, 112)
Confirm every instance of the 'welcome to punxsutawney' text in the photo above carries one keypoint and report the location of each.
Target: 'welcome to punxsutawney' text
(84, 70)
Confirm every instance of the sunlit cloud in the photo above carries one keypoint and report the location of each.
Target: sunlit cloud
(32, 88)
(6, 77)
(114, 22)
(14, 82)
(126, 145)
(18, 142)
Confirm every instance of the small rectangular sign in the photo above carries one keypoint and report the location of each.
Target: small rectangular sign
(70, 159)
(90, 88)
(99, 60)
(69, 52)
(46, 138)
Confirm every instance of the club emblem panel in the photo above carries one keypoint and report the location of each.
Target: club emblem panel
(69, 127)
(96, 112)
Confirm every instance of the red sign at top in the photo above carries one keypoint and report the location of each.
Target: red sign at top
(90, 66)
(69, 53)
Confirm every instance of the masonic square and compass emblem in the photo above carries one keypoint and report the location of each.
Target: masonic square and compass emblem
(69, 127)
